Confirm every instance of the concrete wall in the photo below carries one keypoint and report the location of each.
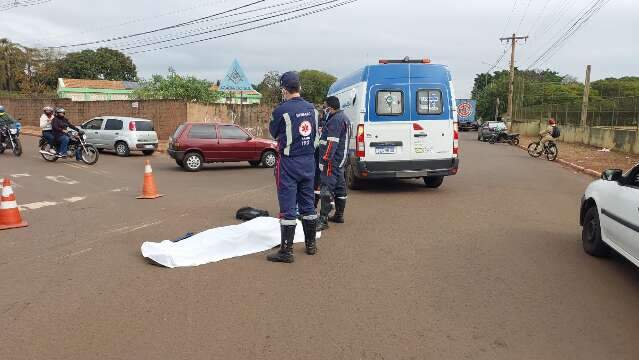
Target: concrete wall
(166, 114)
(623, 140)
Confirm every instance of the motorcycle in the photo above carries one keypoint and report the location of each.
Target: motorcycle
(11, 139)
(504, 137)
(87, 153)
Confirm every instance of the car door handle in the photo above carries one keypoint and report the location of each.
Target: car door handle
(117, 133)
(96, 132)
(421, 135)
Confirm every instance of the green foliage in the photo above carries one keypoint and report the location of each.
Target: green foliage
(315, 85)
(270, 88)
(103, 64)
(177, 87)
(531, 88)
(612, 87)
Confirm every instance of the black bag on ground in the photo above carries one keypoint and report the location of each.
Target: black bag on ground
(555, 132)
(249, 213)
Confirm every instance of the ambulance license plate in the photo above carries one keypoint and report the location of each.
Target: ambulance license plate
(385, 150)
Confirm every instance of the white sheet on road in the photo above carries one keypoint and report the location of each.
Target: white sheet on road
(257, 235)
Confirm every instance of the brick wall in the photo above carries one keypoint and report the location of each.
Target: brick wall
(166, 114)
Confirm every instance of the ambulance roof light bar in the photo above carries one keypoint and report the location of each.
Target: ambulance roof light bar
(405, 60)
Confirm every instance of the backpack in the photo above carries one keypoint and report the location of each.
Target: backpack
(555, 132)
(249, 213)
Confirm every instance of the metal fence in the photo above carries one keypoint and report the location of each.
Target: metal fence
(610, 112)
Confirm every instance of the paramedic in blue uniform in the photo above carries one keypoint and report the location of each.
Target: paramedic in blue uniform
(294, 126)
(333, 150)
(318, 178)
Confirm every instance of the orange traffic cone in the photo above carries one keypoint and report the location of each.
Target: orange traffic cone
(149, 190)
(9, 213)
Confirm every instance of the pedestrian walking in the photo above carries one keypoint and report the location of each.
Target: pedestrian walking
(294, 126)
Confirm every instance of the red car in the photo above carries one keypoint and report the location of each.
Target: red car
(194, 144)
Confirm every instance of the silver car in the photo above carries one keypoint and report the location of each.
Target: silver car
(121, 134)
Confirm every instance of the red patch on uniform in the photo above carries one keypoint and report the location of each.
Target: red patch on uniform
(305, 128)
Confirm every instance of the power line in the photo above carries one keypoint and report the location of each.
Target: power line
(594, 8)
(523, 16)
(22, 3)
(160, 29)
(512, 12)
(536, 23)
(229, 26)
(250, 28)
(148, 41)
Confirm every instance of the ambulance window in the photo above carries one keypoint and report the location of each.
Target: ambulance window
(390, 102)
(429, 102)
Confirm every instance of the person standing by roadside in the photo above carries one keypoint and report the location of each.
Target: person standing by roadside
(45, 124)
(294, 126)
(336, 135)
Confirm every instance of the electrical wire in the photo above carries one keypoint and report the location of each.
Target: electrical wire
(523, 16)
(316, 11)
(22, 3)
(160, 29)
(148, 40)
(230, 26)
(582, 19)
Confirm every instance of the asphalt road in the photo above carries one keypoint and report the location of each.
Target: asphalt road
(489, 266)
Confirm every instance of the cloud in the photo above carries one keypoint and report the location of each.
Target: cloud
(462, 34)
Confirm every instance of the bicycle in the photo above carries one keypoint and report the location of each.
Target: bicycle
(550, 150)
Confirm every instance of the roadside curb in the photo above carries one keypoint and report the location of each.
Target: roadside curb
(581, 169)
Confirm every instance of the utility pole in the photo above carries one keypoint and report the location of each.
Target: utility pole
(584, 103)
(513, 42)
(497, 109)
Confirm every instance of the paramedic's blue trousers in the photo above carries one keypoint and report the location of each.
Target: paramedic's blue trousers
(295, 177)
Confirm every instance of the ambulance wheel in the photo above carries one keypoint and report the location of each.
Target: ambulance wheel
(352, 181)
(433, 182)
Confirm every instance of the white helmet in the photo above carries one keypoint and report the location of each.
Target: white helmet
(47, 109)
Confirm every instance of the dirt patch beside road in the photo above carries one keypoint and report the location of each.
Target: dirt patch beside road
(590, 157)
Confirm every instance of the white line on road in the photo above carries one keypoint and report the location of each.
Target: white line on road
(75, 253)
(61, 179)
(37, 205)
(19, 175)
(75, 199)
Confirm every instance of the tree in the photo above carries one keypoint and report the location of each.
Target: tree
(177, 87)
(315, 85)
(103, 64)
(270, 88)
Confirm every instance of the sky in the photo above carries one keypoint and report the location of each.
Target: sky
(462, 34)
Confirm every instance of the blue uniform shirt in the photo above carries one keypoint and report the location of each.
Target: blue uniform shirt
(336, 135)
(294, 126)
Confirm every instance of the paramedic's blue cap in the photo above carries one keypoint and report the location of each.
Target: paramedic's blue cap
(289, 80)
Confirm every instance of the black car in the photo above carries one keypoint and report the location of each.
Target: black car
(468, 126)
(487, 129)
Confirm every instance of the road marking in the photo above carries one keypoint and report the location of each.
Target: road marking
(120, 189)
(19, 175)
(132, 228)
(37, 205)
(75, 253)
(61, 179)
(75, 199)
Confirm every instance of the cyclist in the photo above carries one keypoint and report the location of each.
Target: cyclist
(546, 135)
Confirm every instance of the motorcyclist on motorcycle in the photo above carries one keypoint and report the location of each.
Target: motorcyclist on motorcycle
(45, 124)
(59, 124)
(5, 120)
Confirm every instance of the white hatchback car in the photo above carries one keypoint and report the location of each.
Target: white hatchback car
(121, 134)
(610, 215)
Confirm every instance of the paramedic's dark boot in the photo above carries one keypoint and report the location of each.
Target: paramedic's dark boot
(285, 253)
(322, 222)
(338, 217)
(309, 235)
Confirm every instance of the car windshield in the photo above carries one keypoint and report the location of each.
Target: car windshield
(144, 126)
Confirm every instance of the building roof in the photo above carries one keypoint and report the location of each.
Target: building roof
(97, 84)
